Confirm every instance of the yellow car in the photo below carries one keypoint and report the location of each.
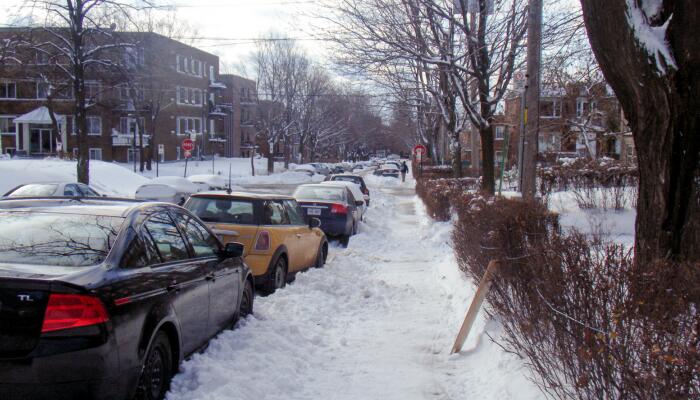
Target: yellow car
(279, 241)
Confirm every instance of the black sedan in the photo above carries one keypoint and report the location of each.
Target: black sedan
(334, 206)
(103, 298)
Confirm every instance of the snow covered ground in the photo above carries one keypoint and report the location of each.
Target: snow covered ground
(377, 322)
(617, 225)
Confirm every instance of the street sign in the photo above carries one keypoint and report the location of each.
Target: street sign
(419, 150)
(519, 79)
(187, 145)
(188, 154)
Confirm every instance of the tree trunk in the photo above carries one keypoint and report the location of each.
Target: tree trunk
(662, 109)
(488, 180)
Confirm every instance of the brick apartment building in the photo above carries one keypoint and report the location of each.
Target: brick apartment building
(564, 113)
(165, 89)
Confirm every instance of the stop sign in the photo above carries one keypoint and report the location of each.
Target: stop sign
(187, 145)
(419, 150)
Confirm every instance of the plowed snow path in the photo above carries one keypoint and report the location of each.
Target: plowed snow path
(376, 323)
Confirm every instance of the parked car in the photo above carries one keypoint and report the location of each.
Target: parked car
(104, 298)
(397, 164)
(333, 205)
(307, 169)
(73, 189)
(279, 241)
(387, 170)
(321, 169)
(356, 194)
(356, 179)
(169, 189)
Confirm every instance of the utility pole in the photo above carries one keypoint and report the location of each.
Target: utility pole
(532, 100)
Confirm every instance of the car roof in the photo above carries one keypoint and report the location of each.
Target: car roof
(351, 175)
(103, 206)
(244, 195)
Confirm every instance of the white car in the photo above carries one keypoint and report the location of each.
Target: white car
(308, 169)
(356, 191)
(169, 189)
(50, 189)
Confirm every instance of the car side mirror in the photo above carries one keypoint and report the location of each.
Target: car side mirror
(233, 249)
(360, 203)
(314, 222)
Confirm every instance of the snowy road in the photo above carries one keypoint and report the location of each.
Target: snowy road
(376, 323)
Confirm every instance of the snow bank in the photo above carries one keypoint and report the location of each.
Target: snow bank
(106, 178)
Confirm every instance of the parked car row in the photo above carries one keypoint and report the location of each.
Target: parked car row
(104, 298)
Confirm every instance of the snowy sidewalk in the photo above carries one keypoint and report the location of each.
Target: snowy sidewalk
(376, 323)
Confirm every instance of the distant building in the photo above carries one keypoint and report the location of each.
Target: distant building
(565, 113)
(167, 89)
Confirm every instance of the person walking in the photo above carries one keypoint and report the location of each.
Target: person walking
(404, 170)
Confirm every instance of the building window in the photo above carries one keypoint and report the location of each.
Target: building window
(6, 124)
(550, 108)
(499, 157)
(189, 96)
(94, 126)
(133, 57)
(92, 91)
(95, 153)
(127, 125)
(500, 132)
(189, 125)
(42, 90)
(131, 93)
(8, 90)
(581, 107)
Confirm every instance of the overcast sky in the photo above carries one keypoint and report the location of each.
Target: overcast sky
(228, 27)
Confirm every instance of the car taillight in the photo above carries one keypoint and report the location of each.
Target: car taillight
(339, 209)
(65, 311)
(263, 241)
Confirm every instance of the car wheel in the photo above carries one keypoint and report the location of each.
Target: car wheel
(247, 298)
(321, 256)
(278, 279)
(156, 370)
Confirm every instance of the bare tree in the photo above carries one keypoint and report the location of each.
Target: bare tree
(649, 53)
(78, 44)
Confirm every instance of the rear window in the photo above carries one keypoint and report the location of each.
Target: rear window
(353, 179)
(320, 193)
(229, 211)
(66, 240)
(35, 190)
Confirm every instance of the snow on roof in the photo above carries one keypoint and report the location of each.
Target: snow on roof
(37, 116)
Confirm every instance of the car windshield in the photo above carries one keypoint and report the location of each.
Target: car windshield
(66, 240)
(320, 193)
(216, 209)
(35, 190)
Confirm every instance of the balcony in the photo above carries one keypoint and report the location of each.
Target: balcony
(127, 139)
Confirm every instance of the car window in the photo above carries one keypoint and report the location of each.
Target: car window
(71, 190)
(166, 237)
(140, 253)
(56, 239)
(326, 193)
(87, 191)
(350, 197)
(274, 214)
(203, 243)
(294, 212)
(35, 189)
(229, 211)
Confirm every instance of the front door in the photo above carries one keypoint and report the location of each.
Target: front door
(40, 141)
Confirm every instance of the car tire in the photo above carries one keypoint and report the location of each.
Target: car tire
(278, 276)
(321, 256)
(156, 369)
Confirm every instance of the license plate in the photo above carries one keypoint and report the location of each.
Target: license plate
(313, 211)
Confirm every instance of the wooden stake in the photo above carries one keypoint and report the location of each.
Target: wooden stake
(474, 308)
